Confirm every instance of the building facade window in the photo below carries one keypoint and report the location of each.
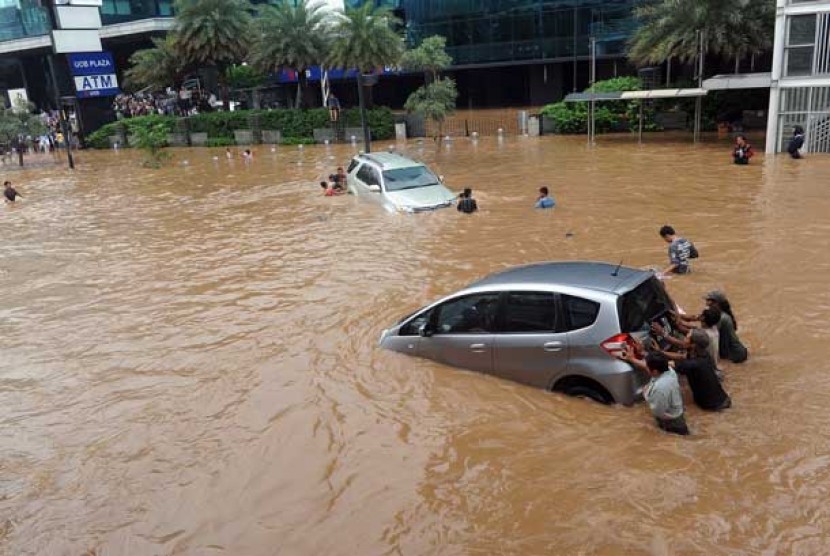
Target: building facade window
(801, 38)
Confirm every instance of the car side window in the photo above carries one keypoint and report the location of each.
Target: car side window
(352, 165)
(473, 314)
(367, 175)
(413, 327)
(582, 313)
(530, 312)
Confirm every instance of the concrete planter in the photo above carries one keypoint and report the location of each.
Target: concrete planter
(356, 131)
(321, 134)
(116, 139)
(198, 139)
(176, 139)
(243, 136)
(271, 136)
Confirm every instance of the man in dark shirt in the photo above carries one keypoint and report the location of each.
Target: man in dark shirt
(466, 203)
(10, 192)
(701, 371)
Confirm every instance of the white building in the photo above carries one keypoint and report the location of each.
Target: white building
(800, 87)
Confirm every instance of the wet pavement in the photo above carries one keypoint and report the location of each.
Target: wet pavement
(189, 360)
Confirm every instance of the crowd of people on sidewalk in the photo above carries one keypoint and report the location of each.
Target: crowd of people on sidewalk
(184, 102)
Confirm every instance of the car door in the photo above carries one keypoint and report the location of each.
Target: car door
(368, 183)
(462, 332)
(531, 346)
(407, 339)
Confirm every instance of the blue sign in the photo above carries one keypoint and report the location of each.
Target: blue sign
(91, 63)
(315, 74)
(94, 74)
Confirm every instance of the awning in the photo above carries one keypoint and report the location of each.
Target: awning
(664, 93)
(587, 97)
(636, 95)
(738, 81)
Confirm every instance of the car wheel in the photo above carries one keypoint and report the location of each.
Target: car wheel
(580, 391)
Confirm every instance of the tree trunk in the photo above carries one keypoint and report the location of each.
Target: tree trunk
(300, 88)
(222, 77)
(367, 144)
(20, 155)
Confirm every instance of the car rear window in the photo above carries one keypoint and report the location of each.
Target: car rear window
(530, 312)
(643, 304)
(352, 165)
(582, 313)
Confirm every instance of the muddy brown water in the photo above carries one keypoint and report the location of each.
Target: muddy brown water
(189, 360)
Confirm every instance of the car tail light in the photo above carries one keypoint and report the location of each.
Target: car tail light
(615, 345)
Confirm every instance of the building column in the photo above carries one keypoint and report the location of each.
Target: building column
(776, 74)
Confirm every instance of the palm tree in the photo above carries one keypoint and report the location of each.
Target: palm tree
(213, 33)
(363, 40)
(289, 36)
(157, 67)
(731, 29)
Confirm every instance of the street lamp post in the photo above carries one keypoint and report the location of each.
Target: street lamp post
(367, 144)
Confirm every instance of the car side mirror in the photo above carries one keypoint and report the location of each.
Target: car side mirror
(425, 331)
(374, 188)
(441, 178)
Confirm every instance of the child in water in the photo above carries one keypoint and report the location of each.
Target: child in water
(742, 151)
(329, 191)
(545, 201)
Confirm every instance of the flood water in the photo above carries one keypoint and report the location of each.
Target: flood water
(189, 360)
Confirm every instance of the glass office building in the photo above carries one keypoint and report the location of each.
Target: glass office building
(487, 31)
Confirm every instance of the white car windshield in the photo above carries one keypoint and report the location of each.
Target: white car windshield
(409, 178)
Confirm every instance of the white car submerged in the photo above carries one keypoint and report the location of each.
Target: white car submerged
(397, 183)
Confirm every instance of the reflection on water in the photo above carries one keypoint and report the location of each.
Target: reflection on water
(190, 365)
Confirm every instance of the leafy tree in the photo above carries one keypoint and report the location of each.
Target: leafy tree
(157, 67)
(732, 29)
(213, 33)
(434, 101)
(429, 57)
(17, 123)
(152, 139)
(363, 39)
(290, 36)
(244, 77)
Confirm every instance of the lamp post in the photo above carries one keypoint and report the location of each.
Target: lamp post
(57, 93)
(364, 81)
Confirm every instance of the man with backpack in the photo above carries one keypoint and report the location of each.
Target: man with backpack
(681, 250)
(466, 203)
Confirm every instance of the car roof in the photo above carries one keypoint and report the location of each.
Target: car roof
(597, 276)
(389, 161)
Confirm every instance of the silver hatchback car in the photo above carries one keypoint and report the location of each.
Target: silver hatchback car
(397, 183)
(558, 326)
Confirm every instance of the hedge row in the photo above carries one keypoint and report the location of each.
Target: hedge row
(295, 125)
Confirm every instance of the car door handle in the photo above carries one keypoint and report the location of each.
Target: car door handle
(553, 346)
(478, 348)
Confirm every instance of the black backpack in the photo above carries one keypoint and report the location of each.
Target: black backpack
(693, 252)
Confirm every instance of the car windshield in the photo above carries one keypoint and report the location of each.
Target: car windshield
(645, 303)
(408, 178)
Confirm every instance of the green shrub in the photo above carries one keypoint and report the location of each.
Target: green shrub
(297, 141)
(220, 142)
(613, 115)
(294, 124)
